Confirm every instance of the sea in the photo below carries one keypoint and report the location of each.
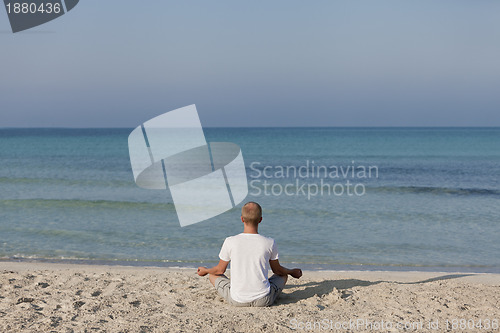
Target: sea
(332, 198)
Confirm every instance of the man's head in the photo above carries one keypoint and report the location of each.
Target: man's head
(251, 213)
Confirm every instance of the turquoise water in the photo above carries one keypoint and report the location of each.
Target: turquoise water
(433, 198)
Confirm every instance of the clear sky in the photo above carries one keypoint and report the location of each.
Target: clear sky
(256, 63)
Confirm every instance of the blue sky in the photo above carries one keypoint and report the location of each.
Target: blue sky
(256, 63)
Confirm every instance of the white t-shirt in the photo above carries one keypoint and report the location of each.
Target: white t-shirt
(249, 255)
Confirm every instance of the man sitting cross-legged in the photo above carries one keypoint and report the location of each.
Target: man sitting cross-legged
(251, 254)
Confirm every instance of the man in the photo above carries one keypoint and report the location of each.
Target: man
(250, 254)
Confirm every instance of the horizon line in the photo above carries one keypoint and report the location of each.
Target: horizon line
(395, 126)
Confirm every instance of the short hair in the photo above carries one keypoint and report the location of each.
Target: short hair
(251, 213)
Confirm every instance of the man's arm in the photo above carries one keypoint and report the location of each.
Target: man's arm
(216, 270)
(280, 270)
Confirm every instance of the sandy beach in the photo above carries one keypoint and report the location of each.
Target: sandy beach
(47, 297)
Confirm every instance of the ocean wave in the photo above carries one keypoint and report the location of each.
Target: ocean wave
(435, 190)
(69, 182)
(298, 186)
(80, 203)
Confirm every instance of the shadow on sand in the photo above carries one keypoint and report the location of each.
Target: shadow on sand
(325, 287)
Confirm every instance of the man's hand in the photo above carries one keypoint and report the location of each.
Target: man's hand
(280, 270)
(296, 273)
(202, 271)
(216, 270)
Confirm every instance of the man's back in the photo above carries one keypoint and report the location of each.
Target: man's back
(249, 255)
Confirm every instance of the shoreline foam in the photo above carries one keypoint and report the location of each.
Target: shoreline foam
(304, 266)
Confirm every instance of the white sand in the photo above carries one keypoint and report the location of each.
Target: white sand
(38, 297)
